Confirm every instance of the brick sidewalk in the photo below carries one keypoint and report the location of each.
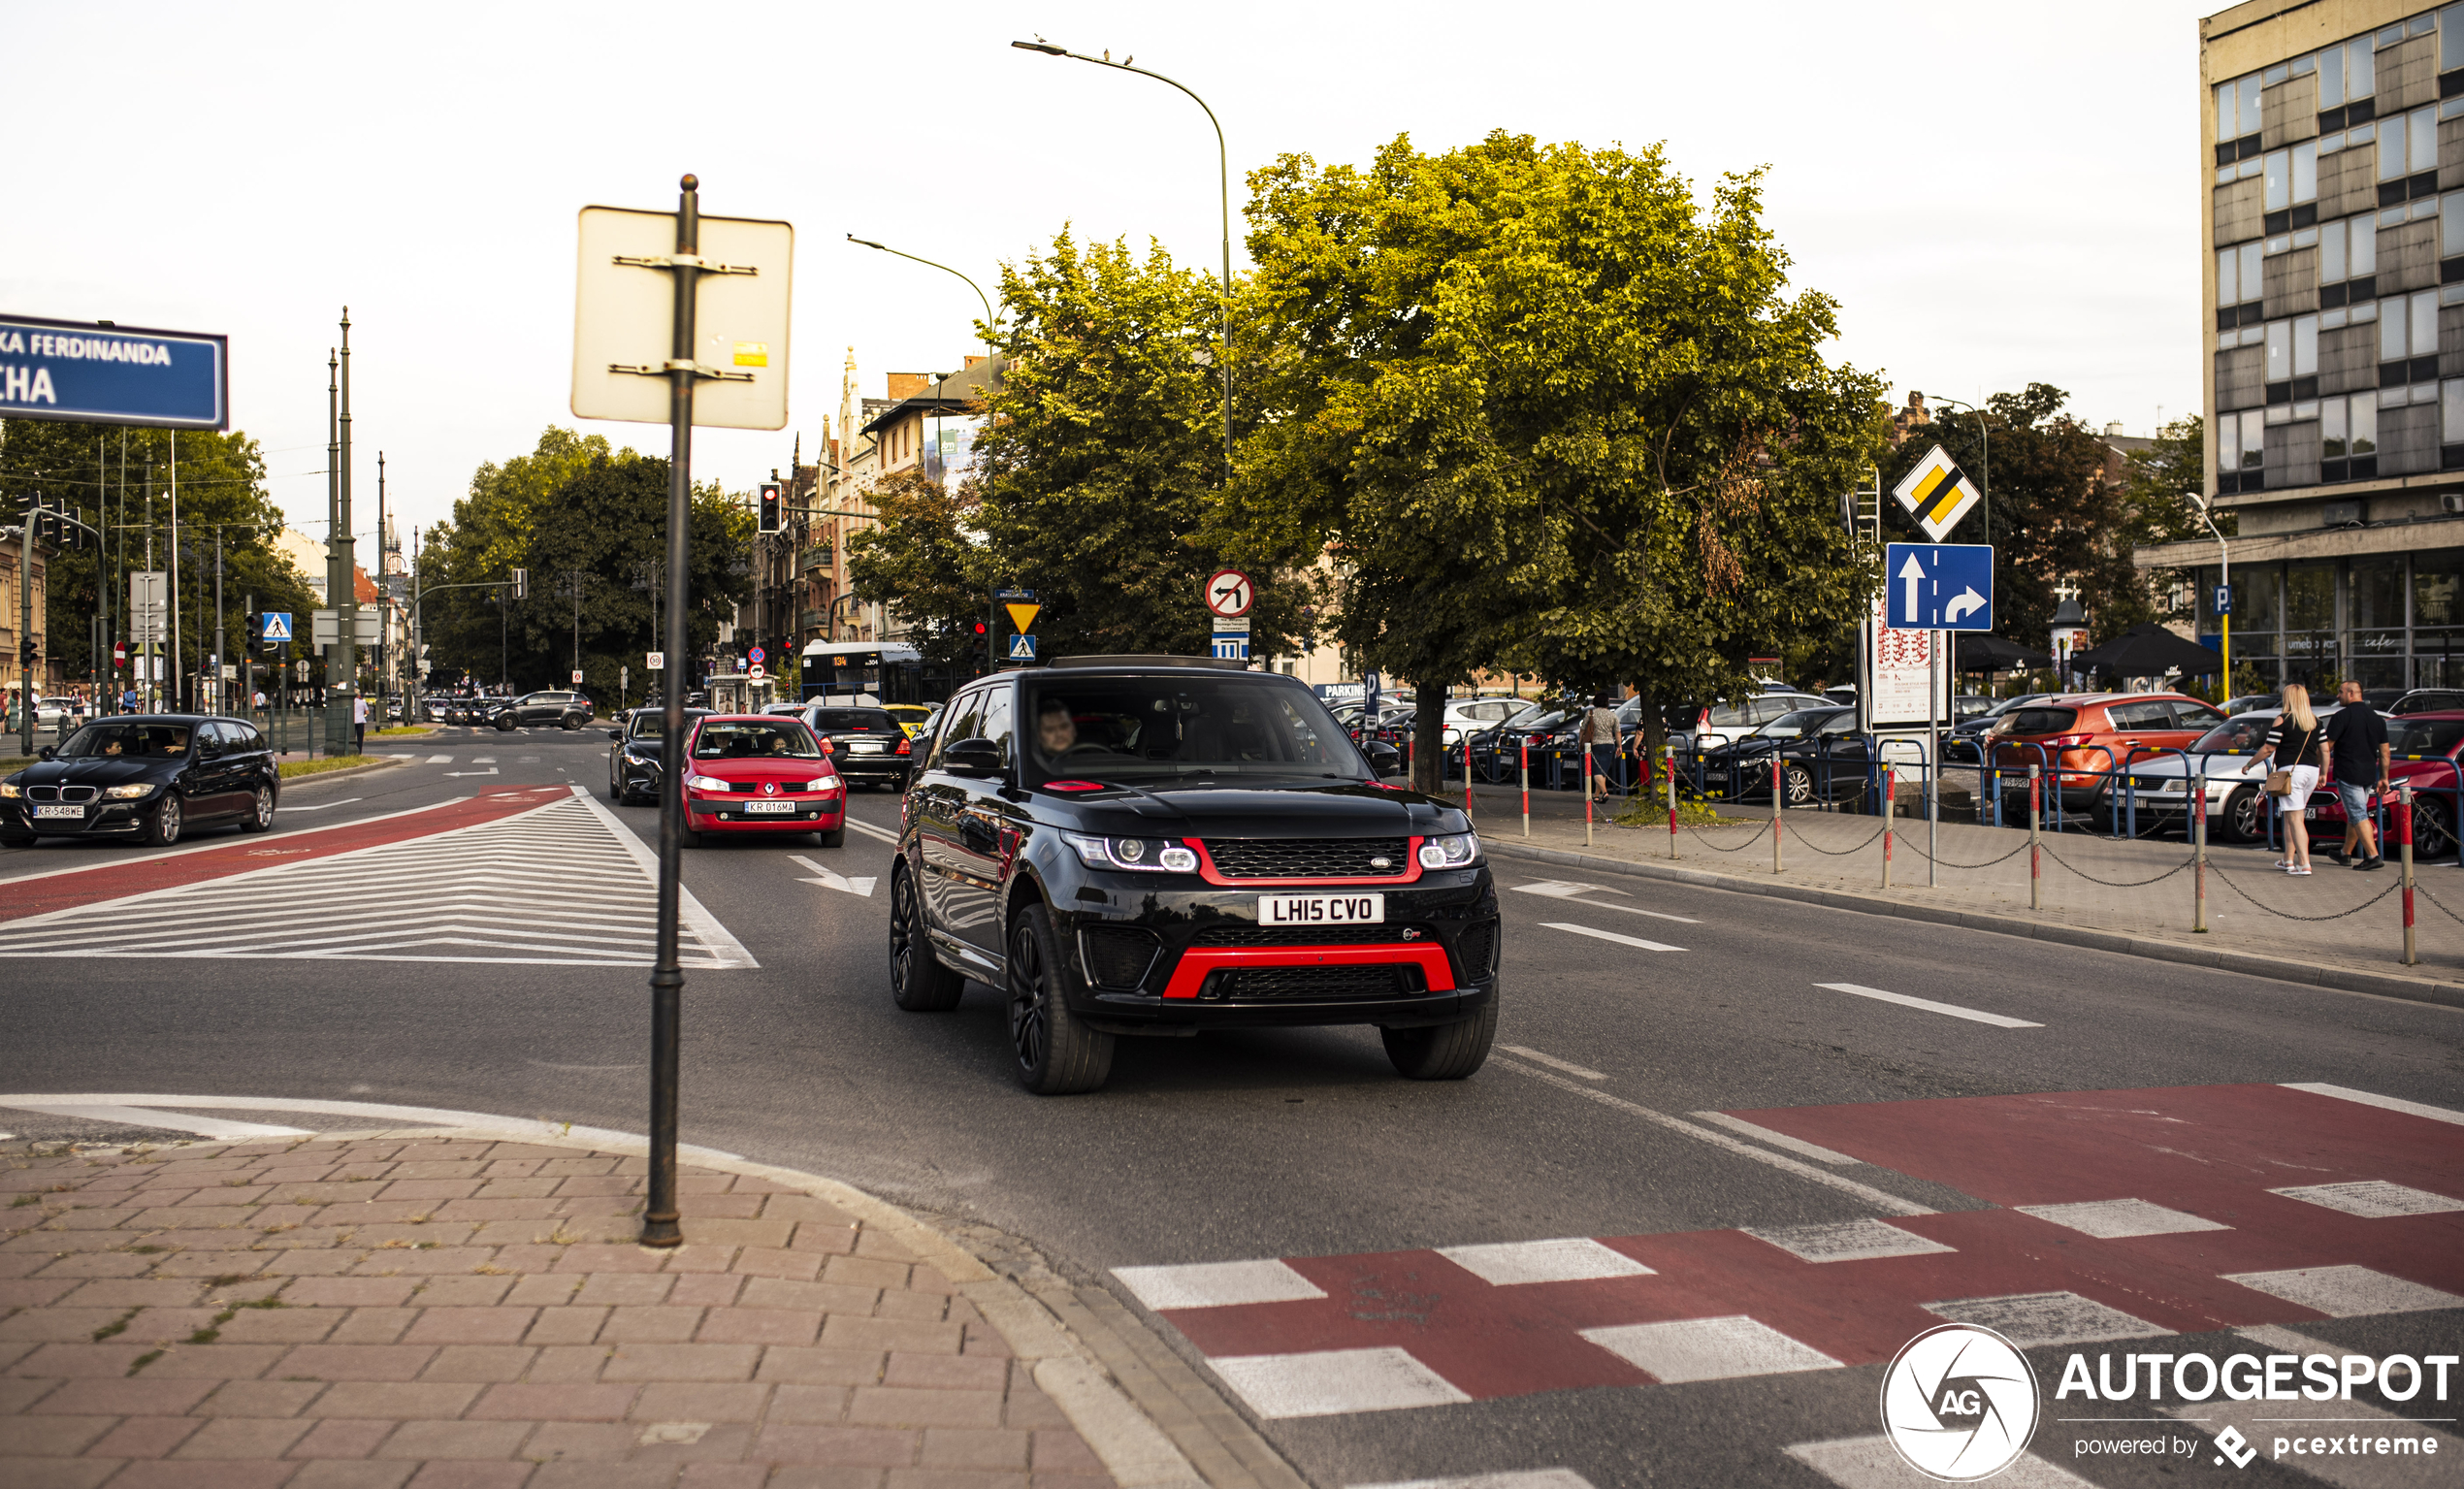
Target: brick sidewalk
(404, 1311)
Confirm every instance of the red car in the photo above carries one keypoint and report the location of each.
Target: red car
(760, 774)
(2424, 752)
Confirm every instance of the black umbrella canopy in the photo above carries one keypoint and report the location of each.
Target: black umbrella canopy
(1980, 652)
(2149, 650)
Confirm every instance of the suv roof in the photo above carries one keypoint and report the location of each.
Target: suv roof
(1142, 661)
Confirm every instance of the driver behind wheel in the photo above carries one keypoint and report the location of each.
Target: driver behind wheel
(1055, 730)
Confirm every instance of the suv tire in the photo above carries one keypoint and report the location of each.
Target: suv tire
(1057, 1055)
(918, 982)
(1443, 1051)
(572, 721)
(507, 724)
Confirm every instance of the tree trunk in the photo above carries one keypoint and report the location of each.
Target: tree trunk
(1654, 730)
(1428, 737)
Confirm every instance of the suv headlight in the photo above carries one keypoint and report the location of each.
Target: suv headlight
(705, 783)
(125, 793)
(1148, 855)
(1453, 850)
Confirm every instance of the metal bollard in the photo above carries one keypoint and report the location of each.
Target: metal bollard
(1672, 801)
(1523, 766)
(1775, 804)
(1890, 811)
(2404, 842)
(2198, 852)
(1467, 774)
(2035, 827)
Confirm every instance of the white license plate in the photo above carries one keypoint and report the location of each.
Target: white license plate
(1321, 910)
(769, 808)
(866, 746)
(71, 809)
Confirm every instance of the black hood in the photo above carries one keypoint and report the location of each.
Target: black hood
(1233, 809)
(98, 770)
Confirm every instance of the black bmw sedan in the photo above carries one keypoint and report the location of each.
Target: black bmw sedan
(633, 765)
(148, 777)
(1155, 846)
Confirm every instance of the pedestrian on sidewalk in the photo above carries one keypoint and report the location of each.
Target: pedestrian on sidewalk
(358, 724)
(2357, 739)
(2292, 750)
(1599, 739)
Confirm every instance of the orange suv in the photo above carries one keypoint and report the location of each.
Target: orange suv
(2078, 736)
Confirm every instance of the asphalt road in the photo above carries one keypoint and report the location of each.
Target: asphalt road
(1251, 1146)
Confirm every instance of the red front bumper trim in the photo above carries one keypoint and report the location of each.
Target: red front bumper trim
(1198, 961)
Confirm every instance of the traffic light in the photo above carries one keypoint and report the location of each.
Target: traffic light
(770, 515)
(27, 653)
(521, 584)
(256, 630)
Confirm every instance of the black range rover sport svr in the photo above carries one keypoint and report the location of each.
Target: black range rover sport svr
(1156, 845)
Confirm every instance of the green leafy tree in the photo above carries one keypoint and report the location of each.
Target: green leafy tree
(104, 472)
(1546, 411)
(923, 559)
(1106, 459)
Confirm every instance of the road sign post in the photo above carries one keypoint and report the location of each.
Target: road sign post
(722, 320)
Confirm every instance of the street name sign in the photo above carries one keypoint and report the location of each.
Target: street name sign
(1939, 586)
(1937, 493)
(1229, 592)
(625, 309)
(113, 374)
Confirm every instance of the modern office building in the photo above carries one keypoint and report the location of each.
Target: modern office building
(2332, 198)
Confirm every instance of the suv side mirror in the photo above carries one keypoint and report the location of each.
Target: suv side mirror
(1383, 759)
(973, 757)
(617, 735)
(44, 753)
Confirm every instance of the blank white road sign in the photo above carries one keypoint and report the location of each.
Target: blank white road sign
(624, 316)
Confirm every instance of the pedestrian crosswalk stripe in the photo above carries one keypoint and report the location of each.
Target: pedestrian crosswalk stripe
(565, 884)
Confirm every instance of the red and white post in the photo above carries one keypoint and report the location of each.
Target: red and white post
(1672, 772)
(1890, 814)
(1775, 804)
(2404, 841)
(1467, 772)
(1523, 766)
(2198, 852)
(2036, 820)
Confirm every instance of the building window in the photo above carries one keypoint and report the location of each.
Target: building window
(2241, 445)
(2348, 437)
(2237, 111)
(2348, 77)
(2409, 339)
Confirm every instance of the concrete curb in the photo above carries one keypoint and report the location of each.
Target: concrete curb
(336, 775)
(1134, 1450)
(2418, 989)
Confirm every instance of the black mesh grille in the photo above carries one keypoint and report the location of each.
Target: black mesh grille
(1307, 857)
(1116, 956)
(1332, 982)
(1475, 950)
(1306, 935)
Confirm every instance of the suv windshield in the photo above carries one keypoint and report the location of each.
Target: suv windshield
(855, 721)
(136, 741)
(746, 739)
(1184, 724)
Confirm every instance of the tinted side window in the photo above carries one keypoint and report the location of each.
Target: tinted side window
(995, 725)
(2042, 721)
(2195, 716)
(959, 723)
(2148, 715)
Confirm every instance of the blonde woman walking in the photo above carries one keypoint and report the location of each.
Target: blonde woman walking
(2294, 749)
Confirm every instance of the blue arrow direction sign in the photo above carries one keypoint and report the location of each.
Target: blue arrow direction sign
(1939, 586)
(113, 374)
(1023, 648)
(278, 625)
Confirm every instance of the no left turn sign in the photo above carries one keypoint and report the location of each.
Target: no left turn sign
(1229, 592)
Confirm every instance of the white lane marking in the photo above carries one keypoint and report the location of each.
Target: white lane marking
(217, 845)
(2284, 1341)
(1332, 1382)
(483, 760)
(491, 770)
(1848, 1240)
(1513, 1263)
(1798, 1145)
(2030, 1319)
(2370, 1099)
(720, 942)
(430, 1116)
(869, 830)
(1567, 889)
(138, 1116)
(1215, 1285)
(831, 879)
(1880, 1199)
(1930, 1006)
(2120, 1219)
(1554, 1063)
(1872, 1463)
(437, 759)
(322, 805)
(2346, 1292)
(1515, 1479)
(1722, 1348)
(2373, 1199)
(1609, 935)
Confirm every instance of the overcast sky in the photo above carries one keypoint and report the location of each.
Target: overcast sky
(1997, 194)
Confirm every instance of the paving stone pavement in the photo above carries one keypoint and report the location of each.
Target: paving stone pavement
(371, 1313)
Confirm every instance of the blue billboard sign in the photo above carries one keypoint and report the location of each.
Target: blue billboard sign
(113, 374)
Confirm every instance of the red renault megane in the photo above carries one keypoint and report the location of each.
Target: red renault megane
(764, 774)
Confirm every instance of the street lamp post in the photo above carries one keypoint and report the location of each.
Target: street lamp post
(1223, 185)
(1984, 477)
(2225, 578)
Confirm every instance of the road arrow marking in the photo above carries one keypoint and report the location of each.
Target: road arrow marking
(832, 880)
(1912, 572)
(1966, 603)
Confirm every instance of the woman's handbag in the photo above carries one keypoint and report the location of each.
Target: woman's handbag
(2279, 782)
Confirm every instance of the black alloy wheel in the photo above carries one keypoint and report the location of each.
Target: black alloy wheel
(1799, 783)
(572, 721)
(918, 982)
(2432, 828)
(1057, 1055)
(2243, 820)
(260, 811)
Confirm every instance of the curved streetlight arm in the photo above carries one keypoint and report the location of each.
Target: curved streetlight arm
(1223, 188)
(988, 321)
(1986, 438)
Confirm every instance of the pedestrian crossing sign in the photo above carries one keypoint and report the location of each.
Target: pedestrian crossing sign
(1022, 648)
(1937, 493)
(278, 625)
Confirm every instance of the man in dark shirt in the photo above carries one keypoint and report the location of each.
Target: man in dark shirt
(2357, 739)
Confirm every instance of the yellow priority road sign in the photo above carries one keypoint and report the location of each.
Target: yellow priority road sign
(1937, 494)
(1022, 617)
